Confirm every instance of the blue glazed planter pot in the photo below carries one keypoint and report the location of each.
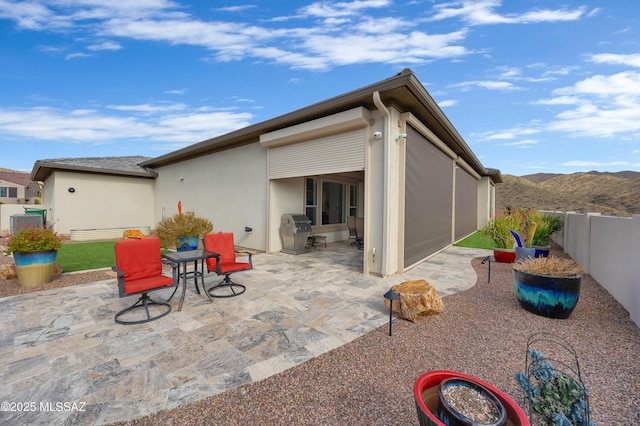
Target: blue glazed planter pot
(545, 295)
(34, 268)
(187, 243)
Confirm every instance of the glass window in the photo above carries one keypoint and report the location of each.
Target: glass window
(328, 202)
(3, 191)
(311, 200)
(333, 203)
(13, 192)
(353, 200)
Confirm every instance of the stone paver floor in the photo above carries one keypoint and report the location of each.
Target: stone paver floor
(64, 359)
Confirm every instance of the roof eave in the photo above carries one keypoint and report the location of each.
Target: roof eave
(42, 170)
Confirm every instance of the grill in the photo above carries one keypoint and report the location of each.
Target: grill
(294, 230)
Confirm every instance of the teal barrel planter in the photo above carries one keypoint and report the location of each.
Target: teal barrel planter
(34, 268)
(547, 295)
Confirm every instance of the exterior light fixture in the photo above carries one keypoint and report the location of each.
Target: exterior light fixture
(391, 296)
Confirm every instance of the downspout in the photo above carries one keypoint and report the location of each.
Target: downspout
(384, 270)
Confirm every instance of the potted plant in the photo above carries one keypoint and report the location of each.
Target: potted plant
(499, 229)
(34, 253)
(547, 286)
(183, 230)
(554, 396)
(546, 225)
(426, 392)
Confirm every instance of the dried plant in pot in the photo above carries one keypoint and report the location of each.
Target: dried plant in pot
(548, 286)
(183, 230)
(426, 392)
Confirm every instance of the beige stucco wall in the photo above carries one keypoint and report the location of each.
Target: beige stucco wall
(285, 196)
(384, 196)
(228, 187)
(98, 202)
(486, 201)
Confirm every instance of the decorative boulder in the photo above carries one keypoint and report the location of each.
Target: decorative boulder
(417, 298)
(131, 234)
(8, 272)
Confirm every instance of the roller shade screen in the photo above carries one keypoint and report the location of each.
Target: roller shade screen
(428, 198)
(466, 204)
(344, 152)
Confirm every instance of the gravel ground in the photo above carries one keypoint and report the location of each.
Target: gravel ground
(482, 332)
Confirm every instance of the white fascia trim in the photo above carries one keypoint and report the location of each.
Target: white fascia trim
(424, 130)
(460, 162)
(336, 123)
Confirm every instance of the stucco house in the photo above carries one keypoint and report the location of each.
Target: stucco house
(385, 152)
(18, 188)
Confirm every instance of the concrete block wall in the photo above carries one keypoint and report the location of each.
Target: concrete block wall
(608, 248)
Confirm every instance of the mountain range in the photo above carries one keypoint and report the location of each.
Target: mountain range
(608, 193)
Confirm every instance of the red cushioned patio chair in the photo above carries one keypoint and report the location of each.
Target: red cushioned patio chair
(226, 263)
(139, 269)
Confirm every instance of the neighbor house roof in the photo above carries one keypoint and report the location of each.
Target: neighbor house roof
(125, 166)
(402, 91)
(16, 177)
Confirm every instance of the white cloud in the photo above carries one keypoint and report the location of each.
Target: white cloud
(337, 9)
(447, 103)
(91, 126)
(346, 33)
(577, 163)
(604, 106)
(482, 13)
(107, 45)
(525, 143)
(486, 84)
(77, 55)
(512, 133)
(632, 60)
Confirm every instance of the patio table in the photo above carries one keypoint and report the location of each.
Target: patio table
(183, 258)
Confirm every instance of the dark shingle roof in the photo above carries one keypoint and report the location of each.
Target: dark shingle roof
(127, 166)
(16, 177)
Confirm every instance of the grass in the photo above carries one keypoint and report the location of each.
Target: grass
(85, 256)
(477, 240)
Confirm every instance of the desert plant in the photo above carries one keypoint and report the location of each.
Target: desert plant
(182, 225)
(552, 265)
(546, 225)
(499, 228)
(34, 239)
(556, 396)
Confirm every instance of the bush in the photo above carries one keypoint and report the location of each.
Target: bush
(34, 239)
(182, 225)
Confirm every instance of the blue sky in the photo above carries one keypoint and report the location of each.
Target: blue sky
(531, 85)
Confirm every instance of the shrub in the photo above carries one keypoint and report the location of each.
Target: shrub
(34, 239)
(182, 225)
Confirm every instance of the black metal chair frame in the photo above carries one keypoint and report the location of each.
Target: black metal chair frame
(144, 300)
(235, 288)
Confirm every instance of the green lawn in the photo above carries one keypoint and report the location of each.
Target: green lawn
(84, 256)
(477, 240)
